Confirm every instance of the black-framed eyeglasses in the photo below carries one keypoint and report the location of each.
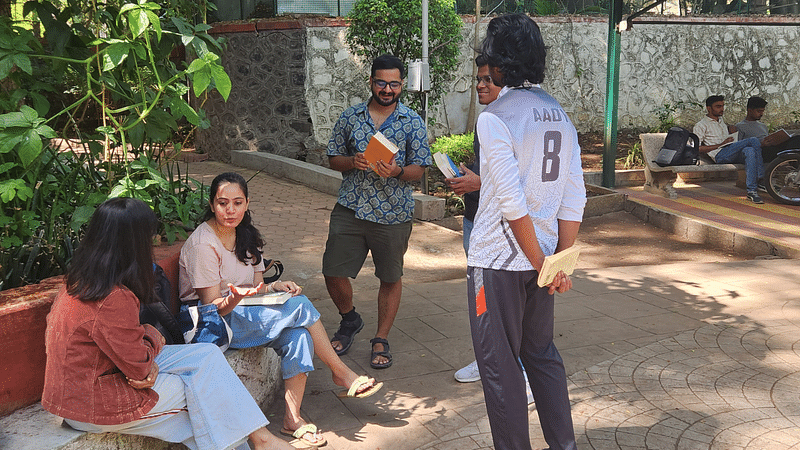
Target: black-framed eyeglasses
(486, 79)
(394, 85)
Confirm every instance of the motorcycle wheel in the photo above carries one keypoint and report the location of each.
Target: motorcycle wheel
(783, 179)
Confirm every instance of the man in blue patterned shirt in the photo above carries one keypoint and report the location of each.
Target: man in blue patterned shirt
(375, 207)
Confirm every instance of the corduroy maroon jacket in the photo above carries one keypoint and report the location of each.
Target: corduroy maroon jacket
(91, 348)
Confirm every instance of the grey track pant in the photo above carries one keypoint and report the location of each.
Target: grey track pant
(511, 320)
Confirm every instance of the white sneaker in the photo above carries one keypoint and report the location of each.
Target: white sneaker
(528, 388)
(468, 374)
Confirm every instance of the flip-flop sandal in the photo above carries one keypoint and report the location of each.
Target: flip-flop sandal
(346, 333)
(358, 383)
(299, 435)
(385, 353)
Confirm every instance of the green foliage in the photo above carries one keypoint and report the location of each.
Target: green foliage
(457, 146)
(547, 7)
(534, 7)
(635, 156)
(666, 115)
(395, 27)
(177, 200)
(107, 69)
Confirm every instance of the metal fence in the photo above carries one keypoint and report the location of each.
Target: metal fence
(253, 9)
(671, 7)
(250, 9)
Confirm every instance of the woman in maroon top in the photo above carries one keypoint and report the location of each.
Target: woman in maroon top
(107, 373)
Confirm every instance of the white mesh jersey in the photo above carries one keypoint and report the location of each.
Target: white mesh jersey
(530, 164)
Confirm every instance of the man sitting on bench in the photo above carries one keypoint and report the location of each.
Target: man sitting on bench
(715, 140)
(771, 144)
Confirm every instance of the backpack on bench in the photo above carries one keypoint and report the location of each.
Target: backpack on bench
(676, 150)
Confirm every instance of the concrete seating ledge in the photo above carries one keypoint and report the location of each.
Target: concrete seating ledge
(33, 428)
(659, 180)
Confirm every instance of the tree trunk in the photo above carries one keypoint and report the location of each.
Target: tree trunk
(473, 95)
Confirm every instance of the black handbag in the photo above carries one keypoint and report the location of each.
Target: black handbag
(159, 313)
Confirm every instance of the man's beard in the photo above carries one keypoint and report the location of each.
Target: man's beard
(380, 101)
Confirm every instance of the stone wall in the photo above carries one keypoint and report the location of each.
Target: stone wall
(266, 110)
(659, 63)
(290, 85)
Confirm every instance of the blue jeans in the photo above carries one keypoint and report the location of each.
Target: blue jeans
(467, 226)
(201, 402)
(280, 327)
(747, 152)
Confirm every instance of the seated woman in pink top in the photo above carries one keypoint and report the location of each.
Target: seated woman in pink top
(107, 373)
(224, 253)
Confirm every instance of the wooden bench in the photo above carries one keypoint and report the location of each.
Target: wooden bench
(659, 180)
(33, 428)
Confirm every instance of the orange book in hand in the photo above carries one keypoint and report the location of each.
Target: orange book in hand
(379, 149)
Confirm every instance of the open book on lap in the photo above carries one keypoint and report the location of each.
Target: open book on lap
(734, 135)
(273, 298)
(564, 260)
(779, 137)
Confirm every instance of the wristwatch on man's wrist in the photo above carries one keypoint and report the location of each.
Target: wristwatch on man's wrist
(402, 171)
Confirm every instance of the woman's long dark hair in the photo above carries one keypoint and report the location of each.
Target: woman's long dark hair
(248, 239)
(117, 250)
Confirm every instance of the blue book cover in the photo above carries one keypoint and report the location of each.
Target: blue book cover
(446, 165)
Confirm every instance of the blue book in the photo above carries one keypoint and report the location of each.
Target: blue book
(446, 165)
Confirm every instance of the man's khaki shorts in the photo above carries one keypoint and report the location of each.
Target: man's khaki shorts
(349, 240)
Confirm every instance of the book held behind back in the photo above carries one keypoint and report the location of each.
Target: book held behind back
(273, 298)
(564, 260)
(379, 149)
(446, 165)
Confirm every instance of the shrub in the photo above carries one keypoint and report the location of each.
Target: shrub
(635, 156)
(120, 98)
(666, 115)
(457, 146)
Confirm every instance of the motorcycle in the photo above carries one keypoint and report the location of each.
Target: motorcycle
(783, 177)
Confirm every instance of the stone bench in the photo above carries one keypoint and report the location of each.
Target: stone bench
(659, 180)
(33, 428)
(29, 427)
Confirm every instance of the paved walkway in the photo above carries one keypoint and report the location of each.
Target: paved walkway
(676, 356)
(724, 206)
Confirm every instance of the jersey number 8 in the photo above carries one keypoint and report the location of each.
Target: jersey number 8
(551, 161)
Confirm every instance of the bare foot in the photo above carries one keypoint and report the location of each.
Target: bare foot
(262, 439)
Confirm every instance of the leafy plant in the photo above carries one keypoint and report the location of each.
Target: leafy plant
(120, 101)
(547, 7)
(666, 114)
(394, 27)
(635, 156)
(457, 146)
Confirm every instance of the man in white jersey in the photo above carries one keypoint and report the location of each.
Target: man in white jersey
(531, 205)
(468, 185)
